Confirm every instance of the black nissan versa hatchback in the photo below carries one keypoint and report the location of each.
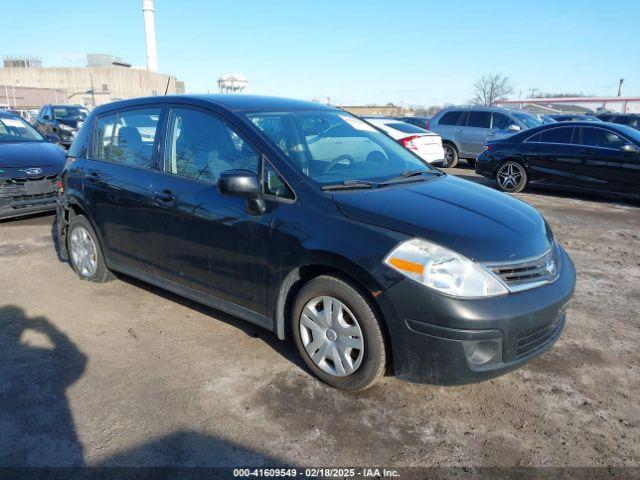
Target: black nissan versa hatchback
(307, 221)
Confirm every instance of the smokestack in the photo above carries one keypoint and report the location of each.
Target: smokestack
(150, 35)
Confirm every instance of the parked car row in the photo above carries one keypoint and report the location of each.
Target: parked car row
(465, 130)
(590, 156)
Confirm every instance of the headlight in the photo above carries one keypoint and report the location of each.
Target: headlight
(67, 128)
(443, 270)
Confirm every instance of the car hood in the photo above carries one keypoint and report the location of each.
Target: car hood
(30, 154)
(476, 221)
(73, 122)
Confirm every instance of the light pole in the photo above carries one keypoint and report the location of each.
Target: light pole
(620, 87)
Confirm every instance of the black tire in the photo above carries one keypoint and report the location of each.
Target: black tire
(450, 155)
(520, 179)
(374, 357)
(471, 161)
(101, 274)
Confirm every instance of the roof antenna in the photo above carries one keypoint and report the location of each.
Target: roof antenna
(168, 81)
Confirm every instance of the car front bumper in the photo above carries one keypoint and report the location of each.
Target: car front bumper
(444, 340)
(16, 200)
(486, 165)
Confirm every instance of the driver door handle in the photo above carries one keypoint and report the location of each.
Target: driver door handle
(165, 197)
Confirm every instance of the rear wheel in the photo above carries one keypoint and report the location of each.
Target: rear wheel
(450, 156)
(85, 254)
(511, 177)
(338, 334)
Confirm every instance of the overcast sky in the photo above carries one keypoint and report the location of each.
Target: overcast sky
(417, 52)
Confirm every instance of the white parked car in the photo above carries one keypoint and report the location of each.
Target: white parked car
(427, 145)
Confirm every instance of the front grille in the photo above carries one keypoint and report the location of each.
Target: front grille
(528, 273)
(14, 195)
(537, 338)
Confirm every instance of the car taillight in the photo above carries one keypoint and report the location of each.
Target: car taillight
(488, 147)
(59, 186)
(407, 142)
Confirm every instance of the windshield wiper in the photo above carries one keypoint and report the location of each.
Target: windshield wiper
(347, 184)
(410, 176)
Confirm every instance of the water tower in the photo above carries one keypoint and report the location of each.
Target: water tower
(232, 83)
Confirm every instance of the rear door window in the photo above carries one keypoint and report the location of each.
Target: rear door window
(557, 135)
(478, 119)
(134, 137)
(451, 118)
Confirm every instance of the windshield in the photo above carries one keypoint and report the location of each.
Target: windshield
(630, 133)
(15, 129)
(66, 112)
(529, 120)
(332, 147)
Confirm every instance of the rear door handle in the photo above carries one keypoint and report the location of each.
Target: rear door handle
(165, 196)
(93, 176)
(587, 150)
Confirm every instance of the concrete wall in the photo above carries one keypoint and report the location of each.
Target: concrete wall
(108, 83)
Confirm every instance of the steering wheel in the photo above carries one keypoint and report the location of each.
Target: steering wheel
(336, 160)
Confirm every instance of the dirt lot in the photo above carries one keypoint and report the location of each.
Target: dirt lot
(126, 374)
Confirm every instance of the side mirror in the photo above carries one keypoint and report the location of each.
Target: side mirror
(243, 183)
(53, 138)
(629, 148)
(514, 128)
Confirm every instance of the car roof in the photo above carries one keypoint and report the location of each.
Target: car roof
(7, 114)
(548, 126)
(484, 109)
(232, 102)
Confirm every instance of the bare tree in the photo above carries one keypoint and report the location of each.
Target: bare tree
(491, 88)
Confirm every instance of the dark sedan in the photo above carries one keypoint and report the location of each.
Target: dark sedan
(602, 157)
(61, 120)
(29, 168)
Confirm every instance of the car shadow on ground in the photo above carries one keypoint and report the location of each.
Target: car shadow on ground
(284, 348)
(38, 364)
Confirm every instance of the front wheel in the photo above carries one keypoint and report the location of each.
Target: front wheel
(511, 177)
(338, 335)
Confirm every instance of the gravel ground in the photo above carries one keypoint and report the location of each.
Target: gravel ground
(126, 374)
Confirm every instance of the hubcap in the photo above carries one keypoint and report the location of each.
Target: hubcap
(83, 252)
(331, 336)
(448, 155)
(510, 176)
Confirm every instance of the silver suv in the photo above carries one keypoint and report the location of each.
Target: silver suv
(465, 130)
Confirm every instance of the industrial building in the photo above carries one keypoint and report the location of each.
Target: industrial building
(25, 86)
(575, 104)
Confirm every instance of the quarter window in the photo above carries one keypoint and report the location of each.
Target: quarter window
(451, 118)
(478, 119)
(601, 138)
(273, 184)
(202, 146)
